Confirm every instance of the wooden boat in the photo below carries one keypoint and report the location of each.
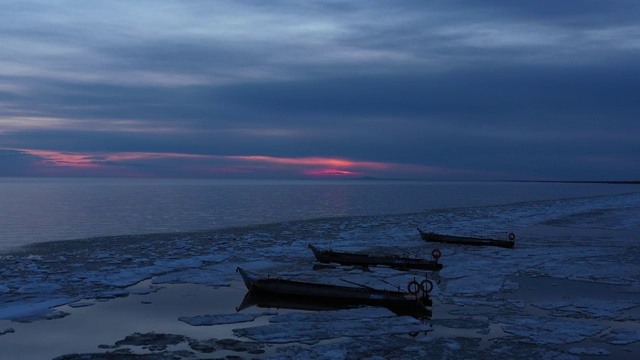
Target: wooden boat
(313, 293)
(463, 240)
(330, 256)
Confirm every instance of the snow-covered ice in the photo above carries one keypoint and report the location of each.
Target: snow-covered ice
(209, 320)
(545, 330)
(589, 351)
(621, 337)
(597, 309)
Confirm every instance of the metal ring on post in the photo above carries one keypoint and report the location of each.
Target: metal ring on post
(512, 236)
(426, 286)
(413, 287)
(436, 253)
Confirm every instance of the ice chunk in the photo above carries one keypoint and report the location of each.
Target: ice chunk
(80, 304)
(600, 309)
(39, 288)
(7, 331)
(122, 277)
(145, 291)
(546, 330)
(193, 276)
(208, 320)
(179, 263)
(621, 337)
(588, 351)
(112, 294)
(153, 341)
(32, 310)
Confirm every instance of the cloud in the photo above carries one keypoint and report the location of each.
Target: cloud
(173, 43)
(145, 164)
(495, 87)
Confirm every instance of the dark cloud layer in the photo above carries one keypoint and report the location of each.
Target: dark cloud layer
(497, 89)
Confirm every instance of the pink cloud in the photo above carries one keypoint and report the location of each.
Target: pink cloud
(98, 160)
(315, 161)
(63, 159)
(330, 172)
(158, 165)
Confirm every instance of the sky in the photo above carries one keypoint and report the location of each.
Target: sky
(421, 89)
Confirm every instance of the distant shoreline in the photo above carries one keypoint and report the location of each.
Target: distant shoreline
(621, 182)
(577, 181)
(328, 179)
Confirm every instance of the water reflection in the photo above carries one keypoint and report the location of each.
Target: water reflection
(36, 210)
(271, 301)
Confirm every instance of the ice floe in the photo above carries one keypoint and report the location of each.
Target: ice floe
(545, 330)
(580, 308)
(209, 320)
(621, 337)
(589, 351)
(7, 331)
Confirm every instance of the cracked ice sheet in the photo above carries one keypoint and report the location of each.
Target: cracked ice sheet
(621, 337)
(278, 249)
(484, 270)
(588, 351)
(36, 283)
(545, 330)
(204, 276)
(313, 327)
(209, 320)
(598, 309)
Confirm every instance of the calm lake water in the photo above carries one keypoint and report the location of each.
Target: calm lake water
(45, 209)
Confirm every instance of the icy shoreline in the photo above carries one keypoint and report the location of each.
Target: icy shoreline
(488, 301)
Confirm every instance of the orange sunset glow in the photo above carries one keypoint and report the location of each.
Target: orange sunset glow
(64, 159)
(330, 172)
(316, 161)
(209, 164)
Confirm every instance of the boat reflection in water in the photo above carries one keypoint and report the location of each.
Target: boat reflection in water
(268, 292)
(359, 259)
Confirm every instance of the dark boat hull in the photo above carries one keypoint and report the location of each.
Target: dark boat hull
(462, 240)
(340, 296)
(330, 256)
